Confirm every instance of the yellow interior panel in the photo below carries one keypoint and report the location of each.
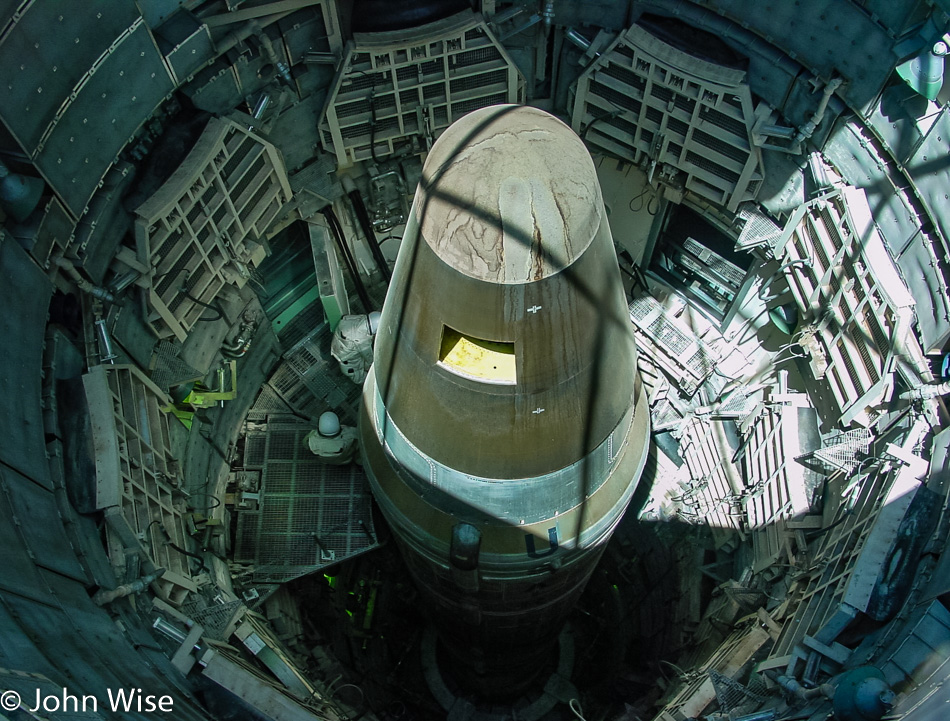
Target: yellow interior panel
(483, 360)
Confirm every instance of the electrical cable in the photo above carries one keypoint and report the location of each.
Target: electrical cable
(181, 550)
(652, 200)
(209, 495)
(603, 116)
(717, 371)
(575, 706)
(679, 672)
(178, 548)
(337, 231)
(781, 269)
(823, 531)
(216, 307)
(776, 360)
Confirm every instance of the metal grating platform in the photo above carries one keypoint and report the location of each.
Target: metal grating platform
(731, 694)
(169, 369)
(739, 404)
(218, 619)
(759, 229)
(310, 515)
(670, 345)
(268, 403)
(308, 382)
(313, 366)
(840, 449)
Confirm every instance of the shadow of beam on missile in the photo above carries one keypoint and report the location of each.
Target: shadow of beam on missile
(596, 297)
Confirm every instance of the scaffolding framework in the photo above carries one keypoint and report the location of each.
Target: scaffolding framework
(648, 102)
(856, 307)
(395, 86)
(204, 228)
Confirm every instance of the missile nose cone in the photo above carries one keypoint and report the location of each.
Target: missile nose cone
(506, 290)
(509, 195)
(503, 426)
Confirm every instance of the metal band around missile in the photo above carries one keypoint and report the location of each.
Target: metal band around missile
(510, 501)
(506, 548)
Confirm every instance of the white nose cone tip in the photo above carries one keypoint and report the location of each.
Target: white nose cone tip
(512, 195)
(504, 395)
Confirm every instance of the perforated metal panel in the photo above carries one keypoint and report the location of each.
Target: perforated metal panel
(310, 514)
(670, 345)
(759, 229)
(839, 450)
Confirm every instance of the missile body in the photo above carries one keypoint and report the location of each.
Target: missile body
(503, 425)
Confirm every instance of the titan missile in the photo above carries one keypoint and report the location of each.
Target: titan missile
(503, 424)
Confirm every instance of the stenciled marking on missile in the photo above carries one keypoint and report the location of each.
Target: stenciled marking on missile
(538, 411)
(534, 309)
(552, 544)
